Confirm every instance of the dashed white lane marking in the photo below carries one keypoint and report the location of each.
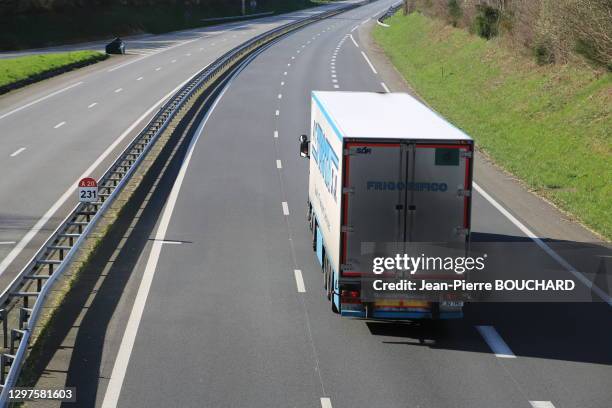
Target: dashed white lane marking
(293, 57)
(59, 125)
(495, 342)
(118, 90)
(285, 73)
(34, 102)
(299, 281)
(201, 49)
(577, 274)
(158, 68)
(369, 62)
(280, 96)
(188, 55)
(279, 164)
(7, 242)
(139, 79)
(169, 242)
(326, 403)
(69, 193)
(353, 39)
(354, 28)
(173, 61)
(334, 76)
(541, 404)
(289, 64)
(335, 81)
(285, 208)
(277, 112)
(16, 152)
(366, 20)
(385, 87)
(91, 105)
(276, 133)
(180, 44)
(336, 86)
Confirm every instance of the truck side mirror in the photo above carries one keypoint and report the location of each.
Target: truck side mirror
(304, 146)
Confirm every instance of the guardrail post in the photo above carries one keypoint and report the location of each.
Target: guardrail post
(3, 315)
(16, 334)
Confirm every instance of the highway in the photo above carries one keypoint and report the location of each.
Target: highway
(225, 306)
(71, 126)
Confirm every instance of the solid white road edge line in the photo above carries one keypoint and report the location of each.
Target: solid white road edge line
(299, 281)
(7, 242)
(111, 397)
(577, 274)
(70, 192)
(27, 105)
(369, 62)
(353, 39)
(495, 342)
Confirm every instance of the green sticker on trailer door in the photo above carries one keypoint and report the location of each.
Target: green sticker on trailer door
(447, 157)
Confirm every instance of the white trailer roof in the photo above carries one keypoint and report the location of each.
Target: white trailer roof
(384, 116)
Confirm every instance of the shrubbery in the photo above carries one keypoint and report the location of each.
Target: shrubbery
(553, 29)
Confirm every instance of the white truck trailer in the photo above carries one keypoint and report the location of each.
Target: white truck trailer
(383, 168)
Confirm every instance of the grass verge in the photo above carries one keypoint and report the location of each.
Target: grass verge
(551, 126)
(31, 68)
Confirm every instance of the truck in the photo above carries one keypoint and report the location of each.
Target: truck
(383, 168)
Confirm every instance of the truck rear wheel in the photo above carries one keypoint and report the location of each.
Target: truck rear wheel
(331, 295)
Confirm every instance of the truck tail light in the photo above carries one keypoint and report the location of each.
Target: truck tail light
(350, 296)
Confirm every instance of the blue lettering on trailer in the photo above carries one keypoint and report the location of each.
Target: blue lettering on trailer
(400, 185)
(326, 160)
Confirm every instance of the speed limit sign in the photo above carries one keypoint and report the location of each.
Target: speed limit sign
(88, 190)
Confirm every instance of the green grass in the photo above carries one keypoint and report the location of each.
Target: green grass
(17, 69)
(551, 126)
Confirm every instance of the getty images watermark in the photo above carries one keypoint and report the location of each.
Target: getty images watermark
(438, 268)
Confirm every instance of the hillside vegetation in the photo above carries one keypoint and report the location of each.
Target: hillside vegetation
(551, 30)
(38, 23)
(550, 125)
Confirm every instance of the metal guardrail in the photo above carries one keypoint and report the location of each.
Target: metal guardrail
(36, 279)
(391, 11)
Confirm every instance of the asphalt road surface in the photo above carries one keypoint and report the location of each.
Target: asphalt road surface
(59, 130)
(228, 308)
(222, 318)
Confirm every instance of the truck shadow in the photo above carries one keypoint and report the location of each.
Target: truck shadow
(568, 331)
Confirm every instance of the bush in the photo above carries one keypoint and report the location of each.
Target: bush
(454, 11)
(487, 21)
(544, 52)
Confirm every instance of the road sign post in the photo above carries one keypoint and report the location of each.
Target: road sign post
(88, 190)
